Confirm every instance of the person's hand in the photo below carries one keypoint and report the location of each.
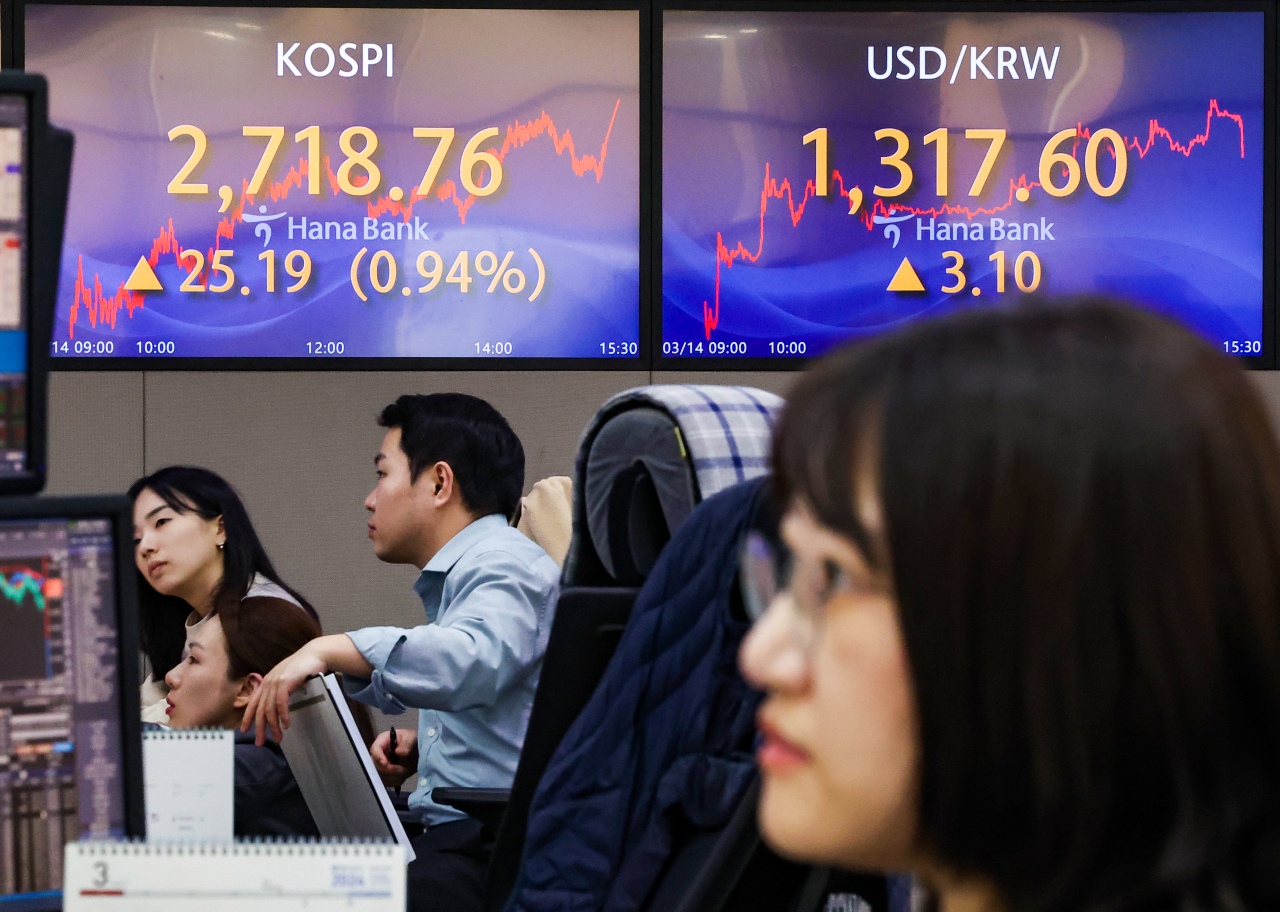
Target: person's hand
(269, 705)
(395, 769)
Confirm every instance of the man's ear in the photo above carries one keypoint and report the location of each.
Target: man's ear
(442, 482)
(248, 687)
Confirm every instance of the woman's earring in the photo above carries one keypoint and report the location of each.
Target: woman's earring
(220, 544)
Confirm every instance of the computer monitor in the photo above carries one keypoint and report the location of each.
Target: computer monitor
(470, 193)
(35, 171)
(70, 741)
(837, 171)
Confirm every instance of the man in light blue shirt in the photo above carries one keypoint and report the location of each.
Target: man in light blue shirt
(450, 473)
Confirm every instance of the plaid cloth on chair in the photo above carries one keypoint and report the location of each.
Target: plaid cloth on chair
(725, 433)
(728, 429)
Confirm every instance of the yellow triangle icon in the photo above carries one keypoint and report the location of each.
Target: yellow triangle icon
(905, 279)
(143, 278)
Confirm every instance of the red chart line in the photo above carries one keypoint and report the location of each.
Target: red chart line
(104, 308)
(772, 189)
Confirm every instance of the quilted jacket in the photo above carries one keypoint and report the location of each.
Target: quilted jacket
(667, 733)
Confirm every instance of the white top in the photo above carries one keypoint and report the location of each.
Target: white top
(154, 692)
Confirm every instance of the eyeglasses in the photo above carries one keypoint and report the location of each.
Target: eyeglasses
(771, 573)
(767, 578)
(766, 571)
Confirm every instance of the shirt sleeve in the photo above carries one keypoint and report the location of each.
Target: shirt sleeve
(487, 638)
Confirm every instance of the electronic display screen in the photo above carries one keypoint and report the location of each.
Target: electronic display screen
(14, 111)
(833, 175)
(62, 773)
(346, 183)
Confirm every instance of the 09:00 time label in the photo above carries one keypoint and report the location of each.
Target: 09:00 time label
(100, 347)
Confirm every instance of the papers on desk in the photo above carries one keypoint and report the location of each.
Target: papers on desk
(189, 785)
(231, 877)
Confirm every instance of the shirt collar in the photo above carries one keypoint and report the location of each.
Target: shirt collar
(461, 543)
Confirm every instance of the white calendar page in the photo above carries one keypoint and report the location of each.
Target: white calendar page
(310, 876)
(189, 784)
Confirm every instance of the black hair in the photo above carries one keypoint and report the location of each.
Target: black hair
(263, 631)
(470, 435)
(1082, 528)
(191, 489)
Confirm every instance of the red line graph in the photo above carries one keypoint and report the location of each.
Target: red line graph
(103, 308)
(772, 189)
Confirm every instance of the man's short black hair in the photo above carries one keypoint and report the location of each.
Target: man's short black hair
(472, 437)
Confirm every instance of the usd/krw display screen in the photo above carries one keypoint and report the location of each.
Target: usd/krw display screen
(285, 183)
(828, 175)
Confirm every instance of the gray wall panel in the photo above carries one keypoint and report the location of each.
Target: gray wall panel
(773, 381)
(95, 431)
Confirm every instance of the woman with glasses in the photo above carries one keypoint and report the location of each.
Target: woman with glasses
(1021, 632)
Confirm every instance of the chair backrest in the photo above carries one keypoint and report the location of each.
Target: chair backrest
(730, 869)
(645, 462)
(584, 635)
(649, 457)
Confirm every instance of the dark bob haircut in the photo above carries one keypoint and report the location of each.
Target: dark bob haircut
(1082, 508)
(191, 489)
(470, 435)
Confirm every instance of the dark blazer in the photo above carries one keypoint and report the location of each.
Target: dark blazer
(268, 800)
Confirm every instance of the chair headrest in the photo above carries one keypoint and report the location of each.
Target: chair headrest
(647, 459)
(638, 483)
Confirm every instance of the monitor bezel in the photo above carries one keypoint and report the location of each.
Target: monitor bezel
(13, 54)
(1270, 342)
(119, 510)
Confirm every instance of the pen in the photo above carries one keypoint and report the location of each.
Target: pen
(394, 747)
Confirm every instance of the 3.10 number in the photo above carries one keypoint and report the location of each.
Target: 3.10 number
(1026, 271)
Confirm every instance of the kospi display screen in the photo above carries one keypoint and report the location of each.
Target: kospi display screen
(831, 175)
(346, 183)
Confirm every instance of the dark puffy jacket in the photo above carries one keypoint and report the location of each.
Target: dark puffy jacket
(668, 732)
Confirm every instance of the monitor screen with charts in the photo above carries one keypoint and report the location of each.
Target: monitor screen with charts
(833, 174)
(70, 751)
(14, 145)
(308, 186)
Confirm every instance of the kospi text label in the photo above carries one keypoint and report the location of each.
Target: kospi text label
(319, 59)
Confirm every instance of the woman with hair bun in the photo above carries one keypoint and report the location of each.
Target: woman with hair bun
(1020, 634)
(224, 665)
(194, 548)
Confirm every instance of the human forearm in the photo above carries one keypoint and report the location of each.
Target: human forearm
(268, 707)
(339, 653)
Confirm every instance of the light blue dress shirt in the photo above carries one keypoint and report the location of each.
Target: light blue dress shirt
(471, 670)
